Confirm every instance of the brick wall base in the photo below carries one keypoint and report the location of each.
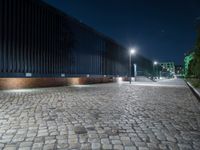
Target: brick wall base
(19, 83)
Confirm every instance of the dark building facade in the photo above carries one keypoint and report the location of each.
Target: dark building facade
(37, 40)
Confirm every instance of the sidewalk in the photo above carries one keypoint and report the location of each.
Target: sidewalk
(101, 116)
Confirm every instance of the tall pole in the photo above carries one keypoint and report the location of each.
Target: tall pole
(156, 71)
(155, 68)
(130, 68)
(132, 51)
(153, 72)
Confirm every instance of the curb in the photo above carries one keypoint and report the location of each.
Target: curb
(194, 91)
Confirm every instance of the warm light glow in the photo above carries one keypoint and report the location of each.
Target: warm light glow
(81, 86)
(75, 81)
(132, 51)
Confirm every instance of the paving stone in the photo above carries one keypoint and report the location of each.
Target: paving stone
(86, 146)
(140, 144)
(10, 147)
(74, 146)
(107, 146)
(127, 143)
(24, 148)
(49, 147)
(105, 141)
(143, 148)
(26, 144)
(118, 147)
(80, 130)
(116, 142)
(184, 146)
(96, 146)
(62, 145)
(50, 141)
(38, 145)
(130, 148)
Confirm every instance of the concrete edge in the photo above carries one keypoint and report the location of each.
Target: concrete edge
(194, 91)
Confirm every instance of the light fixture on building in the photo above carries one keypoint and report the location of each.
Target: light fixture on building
(28, 74)
(62, 75)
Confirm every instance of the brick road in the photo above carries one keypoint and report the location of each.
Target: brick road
(140, 116)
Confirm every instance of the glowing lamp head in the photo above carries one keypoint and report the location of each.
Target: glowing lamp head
(155, 62)
(132, 51)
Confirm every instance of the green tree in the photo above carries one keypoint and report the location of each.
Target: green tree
(196, 64)
(192, 60)
(190, 70)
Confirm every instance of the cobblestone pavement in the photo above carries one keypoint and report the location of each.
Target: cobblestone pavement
(104, 116)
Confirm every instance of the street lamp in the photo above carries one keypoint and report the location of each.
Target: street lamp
(154, 64)
(132, 52)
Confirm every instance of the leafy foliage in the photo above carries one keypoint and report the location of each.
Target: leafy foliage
(194, 65)
(195, 82)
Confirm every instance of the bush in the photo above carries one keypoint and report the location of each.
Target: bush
(194, 82)
(194, 65)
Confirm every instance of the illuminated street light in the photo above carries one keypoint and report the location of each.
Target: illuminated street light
(155, 62)
(132, 52)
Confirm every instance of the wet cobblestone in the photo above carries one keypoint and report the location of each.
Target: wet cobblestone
(104, 116)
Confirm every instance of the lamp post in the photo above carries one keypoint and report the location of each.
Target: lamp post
(154, 64)
(132, 52)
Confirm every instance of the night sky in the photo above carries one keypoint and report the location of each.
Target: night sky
(161, 30)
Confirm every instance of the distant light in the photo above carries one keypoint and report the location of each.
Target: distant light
(132, 51)
(155, 62)
(28, 74)
(62, 75)
(21, 90)
(119, 79)
(81, 86)
(88, 76)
